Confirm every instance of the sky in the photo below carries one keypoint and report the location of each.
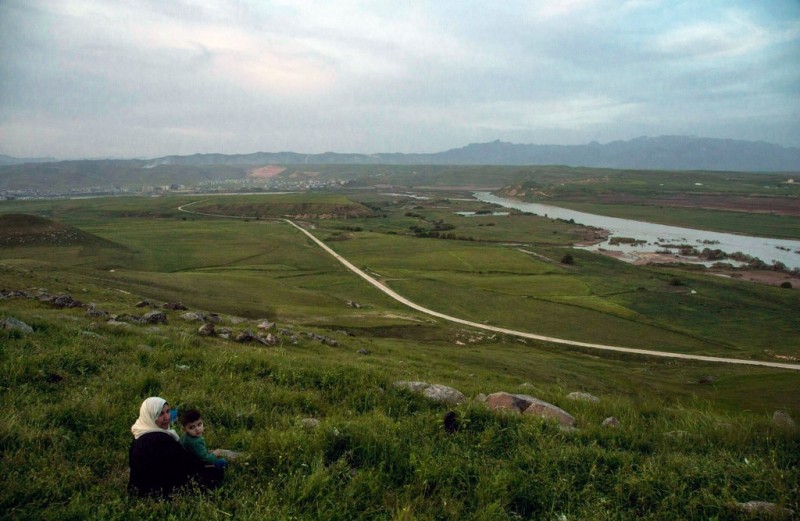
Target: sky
(149, 78)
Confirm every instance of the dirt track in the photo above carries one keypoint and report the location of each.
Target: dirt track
(405, 301)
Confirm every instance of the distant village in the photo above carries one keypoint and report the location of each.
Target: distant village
(203, 187)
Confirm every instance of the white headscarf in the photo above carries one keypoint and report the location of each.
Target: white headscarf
(148, 412)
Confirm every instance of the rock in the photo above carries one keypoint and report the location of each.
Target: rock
(193, 316)
(113, 322)
(268, 340)
(93, 312)
(353, 304)
(176, 306)
(480, 397)
(611, 422)
(526, 404)
(62, 301)
(245, 336)
(506, 401)
(224, 332)
(708, 379)
(583, 397)
(206, 329)
(266, 324)
(213, 318)
(550, 411)
(309, 423)
(12, 324)
(145, 303)
(154, 317)
(362, 352)
(436, 392)
(782, 419)
(765, 510)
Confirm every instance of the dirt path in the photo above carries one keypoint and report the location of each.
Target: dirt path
(405, 301)
(388, 291)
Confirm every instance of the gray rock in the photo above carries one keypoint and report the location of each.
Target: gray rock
(526, 404)
(611, 421)
(436, 392)
(268, 340)
(309, 423)
(583, 397)
(245, 336)
(224, 332)
(206, 329)
(193, 316)
(175, 306)
(155, 317)
(765, 510)
(265, 325)
(362, 352)
(782, 419)
(13, 324)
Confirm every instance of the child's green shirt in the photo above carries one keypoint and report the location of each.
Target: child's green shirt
(197, 446)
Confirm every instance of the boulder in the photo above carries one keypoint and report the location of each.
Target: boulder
(266, 324)
(309, 423)
(362, 352)
(245, 336)
(526, 404)
(154, 317)
(145, 304)
(611, 422)
(765, 510)
(93, 312)
(62, 301)
(268, 340)
(782, 419)
(224, 332)
(436, 392)
(175, 306)
(583, 397)
(206, 329)
(708, 379)
(506, 401)
(213, 318)
(193, 316)
(12, 324)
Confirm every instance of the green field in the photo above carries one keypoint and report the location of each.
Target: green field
(685, 449)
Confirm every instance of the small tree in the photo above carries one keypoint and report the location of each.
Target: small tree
(567, 259)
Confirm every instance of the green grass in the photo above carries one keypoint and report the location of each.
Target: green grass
(70, 391)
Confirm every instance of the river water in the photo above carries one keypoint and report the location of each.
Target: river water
(655, 236)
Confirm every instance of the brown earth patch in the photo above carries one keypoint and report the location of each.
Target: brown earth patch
(265, 172)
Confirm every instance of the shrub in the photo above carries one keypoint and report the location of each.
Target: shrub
(567, 259)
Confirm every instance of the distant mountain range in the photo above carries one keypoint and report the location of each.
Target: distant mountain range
(657, 153)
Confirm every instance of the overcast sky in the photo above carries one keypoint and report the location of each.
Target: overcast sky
(92, 78)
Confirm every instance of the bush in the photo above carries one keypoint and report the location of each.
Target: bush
(567, 259)
(787, 285)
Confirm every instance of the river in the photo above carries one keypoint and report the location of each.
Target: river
(655, 236)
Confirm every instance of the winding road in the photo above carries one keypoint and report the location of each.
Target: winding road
(388, 291)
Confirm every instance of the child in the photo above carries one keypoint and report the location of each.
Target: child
(192, 439)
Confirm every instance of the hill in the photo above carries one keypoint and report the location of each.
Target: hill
(658, 153)
(664, 152)
(32, 230)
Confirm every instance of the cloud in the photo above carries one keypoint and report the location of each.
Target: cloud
(146, 78)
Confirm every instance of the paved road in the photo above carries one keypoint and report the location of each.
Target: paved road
(522, 334)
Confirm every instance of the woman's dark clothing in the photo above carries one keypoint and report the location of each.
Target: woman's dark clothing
(159, 465)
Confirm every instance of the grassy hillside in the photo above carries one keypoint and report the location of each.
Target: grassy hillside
(70, 390)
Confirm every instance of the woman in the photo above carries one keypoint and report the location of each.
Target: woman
(159, 465)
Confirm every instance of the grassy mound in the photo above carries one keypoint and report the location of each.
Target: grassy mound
(32, 230)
